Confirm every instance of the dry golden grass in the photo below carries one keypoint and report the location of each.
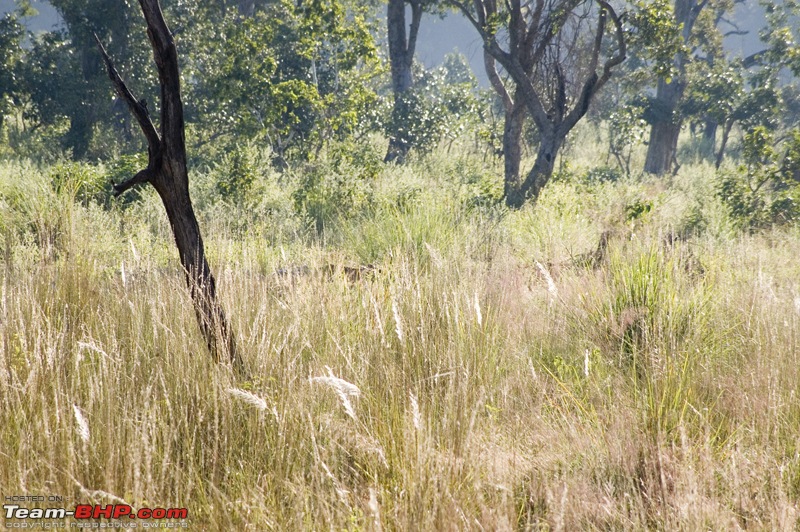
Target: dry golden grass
(456, 388)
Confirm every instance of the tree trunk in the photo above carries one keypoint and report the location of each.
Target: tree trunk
(665, 129)
(544, 165)
(79, 135)
(710, 132)
(167, 172)
(726, 131)
(401, 58)
(512, 153)
(661, 148)
(532, 69)
(199, 279)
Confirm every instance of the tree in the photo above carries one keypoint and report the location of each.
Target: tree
(663, 109)
(513, 124)
(402, 46)
(728, 94)
(293, 75)
(558, 61)
(87, 103)
(744, 91)
(11, 35)
(166, 171)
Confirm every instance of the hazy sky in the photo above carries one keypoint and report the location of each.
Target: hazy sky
(438, 37)
(44, 21)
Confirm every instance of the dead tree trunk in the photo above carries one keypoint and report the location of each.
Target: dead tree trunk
(166, 171)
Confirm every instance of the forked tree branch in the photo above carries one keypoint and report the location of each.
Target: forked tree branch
(166, 58)
(497, 83)
(143, 176)
(622, 48)
(166, 171)
(137, 107)
(594, 82)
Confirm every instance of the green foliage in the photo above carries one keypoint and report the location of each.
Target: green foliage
(337, 186)
(80, 182)
(637, 210)
(11, 36)
(600, 174)
(124, 167)
(655, 36)
(294, 75)
(66, 79)
(780, 36)
(441, 106)
(727, 93)
(237, 171)
(765, 190)
(626, 131)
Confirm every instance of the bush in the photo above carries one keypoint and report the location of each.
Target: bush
(438, 107)
(80, 182)
(339, 185)
(602, 174)
(235, 174)
(763, 191)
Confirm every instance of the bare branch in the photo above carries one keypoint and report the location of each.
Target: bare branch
(496, 82)
(549, 31)
(753, 59)
(698, 8)
(598, 40)
(690, 18)
(735, 32)
(594, 82)
(560, 103)
(143, 176)
(478, 23)
(622, 49)
(536, 20)
(137, 107)
(525, 85)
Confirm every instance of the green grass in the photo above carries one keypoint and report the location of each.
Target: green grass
(656, 390)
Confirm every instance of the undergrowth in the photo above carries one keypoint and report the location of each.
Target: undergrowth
(485, 369)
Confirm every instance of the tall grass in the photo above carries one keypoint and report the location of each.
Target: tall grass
(454, 385)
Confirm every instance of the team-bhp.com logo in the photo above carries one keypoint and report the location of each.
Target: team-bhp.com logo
(124, 513)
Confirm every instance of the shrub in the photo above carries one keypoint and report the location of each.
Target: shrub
(339, 185)
(236, 172)
(763, 191)
(80, 182)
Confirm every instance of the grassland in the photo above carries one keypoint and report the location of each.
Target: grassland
(509, 375)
